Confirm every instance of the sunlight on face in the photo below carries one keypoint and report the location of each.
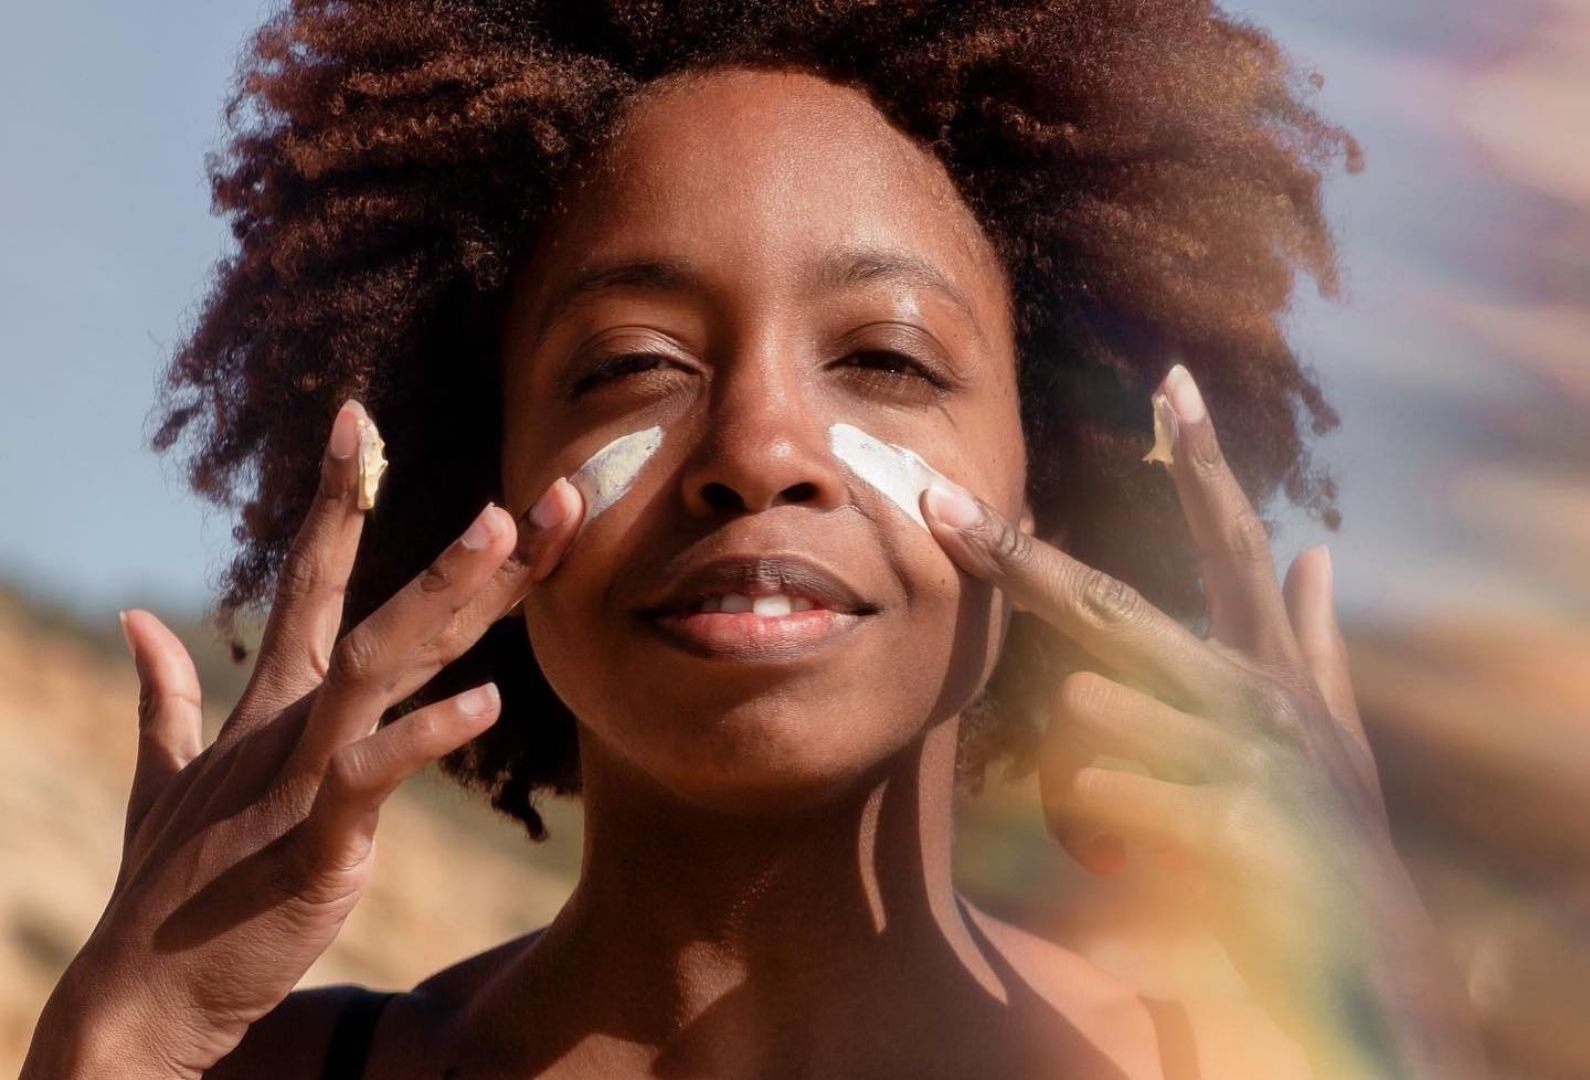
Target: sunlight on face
(762, 258)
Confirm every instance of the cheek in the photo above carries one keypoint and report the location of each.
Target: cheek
(607, 475)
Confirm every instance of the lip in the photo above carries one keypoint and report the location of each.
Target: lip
(837, 608)
(765, 574)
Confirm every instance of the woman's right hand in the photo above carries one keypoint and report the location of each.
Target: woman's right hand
(242, 859)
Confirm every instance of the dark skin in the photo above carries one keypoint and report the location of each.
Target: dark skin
(766, 887)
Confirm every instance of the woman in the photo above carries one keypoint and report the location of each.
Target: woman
(724, 314)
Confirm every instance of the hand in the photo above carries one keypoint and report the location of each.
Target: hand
(242, 859)
(1262, 794)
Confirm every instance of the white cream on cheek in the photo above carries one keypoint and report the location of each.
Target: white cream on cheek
(608, 473)
(899, 473)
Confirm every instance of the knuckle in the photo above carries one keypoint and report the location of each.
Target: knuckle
(1208, 459)
(1085, 693)
(299, 572)
(1248, 539)
(1277, 712)
(148, 699)
(354, 660)
(1109, 602)
(343, 779)
(318, 657)
(425, 727)
(436, 578)
(1091, 785)
(1009, 546)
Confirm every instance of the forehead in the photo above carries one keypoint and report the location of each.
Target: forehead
(766, 174)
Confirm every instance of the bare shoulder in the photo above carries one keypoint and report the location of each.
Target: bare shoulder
(1227, 1037)
(291, 1040)
(1104, 1009)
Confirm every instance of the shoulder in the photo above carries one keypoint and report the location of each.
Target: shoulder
(1214, 1037)
(292, 1039)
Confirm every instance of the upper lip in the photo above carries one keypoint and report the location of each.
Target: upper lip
(760, 575)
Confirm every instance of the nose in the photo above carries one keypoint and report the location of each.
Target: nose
(765, 445)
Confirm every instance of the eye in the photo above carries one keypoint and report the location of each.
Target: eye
(886, 364)
(613, 368)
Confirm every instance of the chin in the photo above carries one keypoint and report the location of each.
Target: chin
(775, 753)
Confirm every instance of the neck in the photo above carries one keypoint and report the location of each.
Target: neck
(714, 939)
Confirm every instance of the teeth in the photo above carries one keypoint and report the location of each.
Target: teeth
(769, 607)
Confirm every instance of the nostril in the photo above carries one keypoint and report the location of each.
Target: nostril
(799, 493)
(721, 497)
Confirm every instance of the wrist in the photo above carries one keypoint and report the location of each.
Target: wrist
(81, 1035)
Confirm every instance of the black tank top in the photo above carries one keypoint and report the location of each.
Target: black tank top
(350, 1039)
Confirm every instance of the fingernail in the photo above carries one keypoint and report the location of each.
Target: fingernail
(121, 617)
(345, 432)
(952, 505)
(1184, 395)
(478, 535)
(480, 701)
(551, 508)
(1330, 570)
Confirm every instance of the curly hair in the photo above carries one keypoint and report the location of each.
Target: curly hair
(1148, 171)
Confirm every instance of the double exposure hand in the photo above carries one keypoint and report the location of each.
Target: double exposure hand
(1260, 794)
(242, 859)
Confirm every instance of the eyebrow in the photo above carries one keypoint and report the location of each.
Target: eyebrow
(843, 267)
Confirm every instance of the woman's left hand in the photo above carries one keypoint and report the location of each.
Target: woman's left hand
(1263, 794)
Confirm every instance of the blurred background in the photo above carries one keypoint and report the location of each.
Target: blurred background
(1458, 363)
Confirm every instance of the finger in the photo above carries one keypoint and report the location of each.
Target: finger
(361, 776)
(1105, 616)
(1064, 753)
(1118, 720)
(306, 613)
(1143, 811)
(1312, 610)
(170, 716)
(1245, 607)
(370, 663)
(546, 531)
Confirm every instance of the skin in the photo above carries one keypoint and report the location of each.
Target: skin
(768, 835)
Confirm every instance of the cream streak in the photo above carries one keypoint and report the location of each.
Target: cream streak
(608, 473)
(899, 473)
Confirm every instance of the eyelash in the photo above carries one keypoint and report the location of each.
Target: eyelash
(615, 367)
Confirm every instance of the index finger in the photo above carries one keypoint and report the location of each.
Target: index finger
(306, 612)
(1103, 614)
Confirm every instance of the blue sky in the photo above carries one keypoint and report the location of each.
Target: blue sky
(106, 111)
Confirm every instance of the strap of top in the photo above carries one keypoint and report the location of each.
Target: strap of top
(1178, 1053)
(350, 1039)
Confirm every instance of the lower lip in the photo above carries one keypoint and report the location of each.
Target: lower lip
(746, 635)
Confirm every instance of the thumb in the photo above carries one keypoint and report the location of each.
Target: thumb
(169, 717)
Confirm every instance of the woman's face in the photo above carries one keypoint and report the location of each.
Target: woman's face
(774, 259)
